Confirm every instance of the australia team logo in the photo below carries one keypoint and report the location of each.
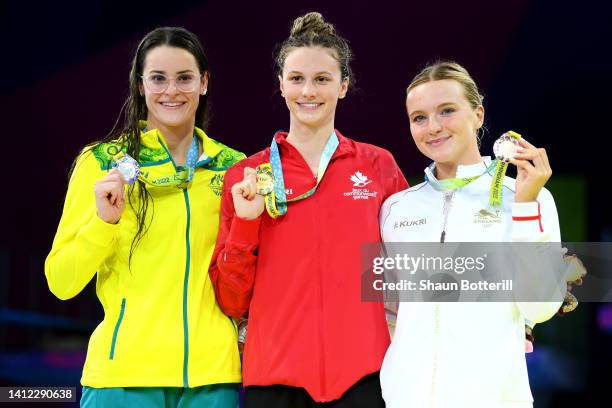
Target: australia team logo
(216, 184)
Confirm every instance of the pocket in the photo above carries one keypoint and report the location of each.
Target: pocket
(116, 332)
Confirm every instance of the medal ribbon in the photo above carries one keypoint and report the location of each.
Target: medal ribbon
(495, 194)
(183, 174)
(276, 201)
(457, 183)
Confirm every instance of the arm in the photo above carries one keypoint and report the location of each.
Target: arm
(83, 240)
(232, 269)
(534, 219)
(394, 182)
(392, 175)
(538, 222)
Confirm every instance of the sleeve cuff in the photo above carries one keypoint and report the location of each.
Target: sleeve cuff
(244, 231)
(526, 220)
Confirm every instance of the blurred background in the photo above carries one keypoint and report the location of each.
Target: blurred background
(543, 66)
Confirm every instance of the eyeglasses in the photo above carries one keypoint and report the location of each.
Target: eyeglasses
(158, 83)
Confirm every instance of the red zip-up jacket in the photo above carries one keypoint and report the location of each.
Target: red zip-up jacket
(299, 275)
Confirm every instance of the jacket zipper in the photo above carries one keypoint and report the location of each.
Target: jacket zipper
(323, 376)
(434, 371)
(448, 198)
(116, 332)
(185, 288)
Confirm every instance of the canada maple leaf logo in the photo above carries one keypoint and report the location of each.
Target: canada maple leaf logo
(359, 180)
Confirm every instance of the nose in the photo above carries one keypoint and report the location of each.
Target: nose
(171, 89)
(309, 90)
(434, 125)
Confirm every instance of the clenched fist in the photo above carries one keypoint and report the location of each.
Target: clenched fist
(110, 196)
(248, 204)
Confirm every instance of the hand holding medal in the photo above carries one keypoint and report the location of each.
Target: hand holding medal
(533, 171)
(248, 204)
(110, 196)
(110, 192)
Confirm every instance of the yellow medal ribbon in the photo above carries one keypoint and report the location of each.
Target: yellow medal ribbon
(495, 195)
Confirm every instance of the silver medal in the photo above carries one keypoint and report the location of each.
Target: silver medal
(506, 147)
(128, 167)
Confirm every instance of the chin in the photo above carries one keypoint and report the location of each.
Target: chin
(311, 122)
(173, 121)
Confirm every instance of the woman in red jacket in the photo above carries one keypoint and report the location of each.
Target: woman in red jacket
(288, 250)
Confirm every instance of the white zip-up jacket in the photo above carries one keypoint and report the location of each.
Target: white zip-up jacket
(463, 354)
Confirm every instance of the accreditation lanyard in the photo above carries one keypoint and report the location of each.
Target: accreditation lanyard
(495, 193)
(276, 201)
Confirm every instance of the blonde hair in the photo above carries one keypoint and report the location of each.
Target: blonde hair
(450, 70)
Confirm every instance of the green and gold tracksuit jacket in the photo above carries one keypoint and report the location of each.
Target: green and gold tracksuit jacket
(162, 325)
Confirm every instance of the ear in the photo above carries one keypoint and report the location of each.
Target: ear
(343, 88)
(141, 88)
(280, 86)
(480, 113)
(204, 83)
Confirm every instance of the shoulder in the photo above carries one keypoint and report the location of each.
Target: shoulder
(104, 153)
(90, 164)
(371, 151)
(406, 195)
(227, 156)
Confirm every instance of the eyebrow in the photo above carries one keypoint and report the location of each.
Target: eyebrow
(155, 71)
(443, 104)
(317, 73)
(411, 114)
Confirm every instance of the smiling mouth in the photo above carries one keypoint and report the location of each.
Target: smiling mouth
(309, 106)
(437, 142)
(172, 104)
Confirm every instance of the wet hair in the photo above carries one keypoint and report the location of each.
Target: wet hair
(311, 30)
(135, 109)
(450, 70)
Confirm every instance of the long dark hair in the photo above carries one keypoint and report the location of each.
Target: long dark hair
(134, 110)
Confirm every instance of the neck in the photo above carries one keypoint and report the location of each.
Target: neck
(449, 170)
(177, 138)
(310, 142)
(446, 170)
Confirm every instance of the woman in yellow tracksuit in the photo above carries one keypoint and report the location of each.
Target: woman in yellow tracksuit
(149, 237)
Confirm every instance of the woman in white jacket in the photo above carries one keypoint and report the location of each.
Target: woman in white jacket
(463, 354)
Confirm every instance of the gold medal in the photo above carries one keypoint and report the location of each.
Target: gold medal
(265, 180)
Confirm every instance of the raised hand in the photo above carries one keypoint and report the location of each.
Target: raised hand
(110, 196)
(248, 204)
(533, 171)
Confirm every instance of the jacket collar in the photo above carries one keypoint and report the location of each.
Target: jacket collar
(345, 145)
(155, 140)
(463, 171)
